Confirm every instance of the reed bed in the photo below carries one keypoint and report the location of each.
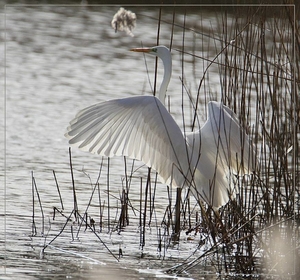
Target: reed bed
(256, 234)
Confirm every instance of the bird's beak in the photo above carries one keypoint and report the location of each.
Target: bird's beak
(145, 50)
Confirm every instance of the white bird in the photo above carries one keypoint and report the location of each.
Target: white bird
(141, 128)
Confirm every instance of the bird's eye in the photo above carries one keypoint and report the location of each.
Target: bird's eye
(154, 49)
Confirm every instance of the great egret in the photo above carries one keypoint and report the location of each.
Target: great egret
(141, 128)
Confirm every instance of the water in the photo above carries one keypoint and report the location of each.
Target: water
(58, 61)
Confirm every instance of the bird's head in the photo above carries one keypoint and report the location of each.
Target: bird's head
(165, 55)
(160, 51)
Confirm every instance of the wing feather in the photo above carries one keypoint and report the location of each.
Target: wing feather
(219, 148)
(141, 128)
(138, 127)
(235, 145)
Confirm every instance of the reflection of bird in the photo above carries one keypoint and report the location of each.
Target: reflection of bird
(141, 128)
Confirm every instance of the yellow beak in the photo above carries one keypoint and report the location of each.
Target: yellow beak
(146, 50)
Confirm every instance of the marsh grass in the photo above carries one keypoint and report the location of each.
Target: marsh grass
(258, 78)
(257, 232)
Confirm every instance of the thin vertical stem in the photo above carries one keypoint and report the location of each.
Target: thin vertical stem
(58, 190)
(33, 212)
(40, 203)
(108, 194)
(73, 185)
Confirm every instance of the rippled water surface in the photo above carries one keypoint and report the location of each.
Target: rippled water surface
(60, 59)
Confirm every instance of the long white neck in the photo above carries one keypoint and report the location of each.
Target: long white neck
(167, 61)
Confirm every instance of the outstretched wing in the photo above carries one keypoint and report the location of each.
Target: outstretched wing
(138, 127)
(221, 148)
(234, 145)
